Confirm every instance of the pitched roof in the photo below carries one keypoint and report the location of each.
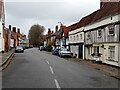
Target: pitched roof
(66, 30)
(0, 8)
(73, 26)
(56, 33)
(109, 8)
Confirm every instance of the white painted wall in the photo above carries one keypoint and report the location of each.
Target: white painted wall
(77, 32)
(105, 53)
(1, 38)
(102, 22)
(74, 49)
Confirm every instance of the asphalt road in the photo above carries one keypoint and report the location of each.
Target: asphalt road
(36, 69)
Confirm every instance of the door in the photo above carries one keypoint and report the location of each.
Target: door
(81, 51)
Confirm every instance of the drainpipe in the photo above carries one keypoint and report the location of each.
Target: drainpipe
(119, 54)
(84, 46)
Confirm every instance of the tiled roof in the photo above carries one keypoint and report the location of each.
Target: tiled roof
(0, 8)
(73, 26)
(66, 31)
(56, 33)
(109, 8)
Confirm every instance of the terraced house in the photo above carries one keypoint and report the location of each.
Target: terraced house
(76, 39)
(102, 34)
(97, 35)
(2, 25)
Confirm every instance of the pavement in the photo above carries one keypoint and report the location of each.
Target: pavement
(105, 68)
(4, 57)
(36, 69)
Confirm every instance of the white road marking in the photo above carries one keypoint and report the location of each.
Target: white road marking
(47, 62)
(57, 84)
(51, 70)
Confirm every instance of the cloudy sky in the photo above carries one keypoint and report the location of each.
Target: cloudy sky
(24, 13)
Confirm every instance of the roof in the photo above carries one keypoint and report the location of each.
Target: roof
(73, 26)
(0, 8)
(56, 33)
(66, 30)
(109, 8)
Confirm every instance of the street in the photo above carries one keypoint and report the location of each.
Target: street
(37, 69)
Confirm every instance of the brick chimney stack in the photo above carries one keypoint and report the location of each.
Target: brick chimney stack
(14, 29)
(56, 28)
(49, 31)
(18, 30)
(10, 27)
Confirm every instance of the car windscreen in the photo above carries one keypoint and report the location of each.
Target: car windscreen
(19, 48)
(64, 49)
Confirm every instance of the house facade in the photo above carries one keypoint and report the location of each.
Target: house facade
(102, 35)
(2, 25)
(59, 38)
(76, 40)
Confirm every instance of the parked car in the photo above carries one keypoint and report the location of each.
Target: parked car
(19, 49)
(65, 52)
(55, 51)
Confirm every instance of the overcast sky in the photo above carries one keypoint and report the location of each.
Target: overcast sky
(24, 13)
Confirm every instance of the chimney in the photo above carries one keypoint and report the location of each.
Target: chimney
(56, 28)
(10, 27)
(49, 31)
(52, 32)
(18, 30)
(14, 29)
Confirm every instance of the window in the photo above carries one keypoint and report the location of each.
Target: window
(111, 29)
(99, 33)
(67, 39)
(112, 52)
(88, 35)
(77, 37)
(74, 37)
(80, 36)
(96, 50)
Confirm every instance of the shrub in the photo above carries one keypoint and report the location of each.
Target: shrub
(48, 47)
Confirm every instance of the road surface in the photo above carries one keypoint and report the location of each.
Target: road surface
(37, 69)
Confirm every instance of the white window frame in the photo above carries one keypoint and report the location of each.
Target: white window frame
(96, 50)
(74, 37)
(81, 36)
(77, 37)
(99, 34)
(111, 29)
(88, 35)
(111, 53)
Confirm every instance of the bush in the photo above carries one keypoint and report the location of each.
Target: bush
(48, 47)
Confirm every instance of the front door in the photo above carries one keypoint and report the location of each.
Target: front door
(81, 51)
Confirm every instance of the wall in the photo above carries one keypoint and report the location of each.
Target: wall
(1, 38)
(76, 33)
(102, 22)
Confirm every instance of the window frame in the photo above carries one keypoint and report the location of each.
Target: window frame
(111, 29)
(88, 35)
(99, 34)
(112, 53)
